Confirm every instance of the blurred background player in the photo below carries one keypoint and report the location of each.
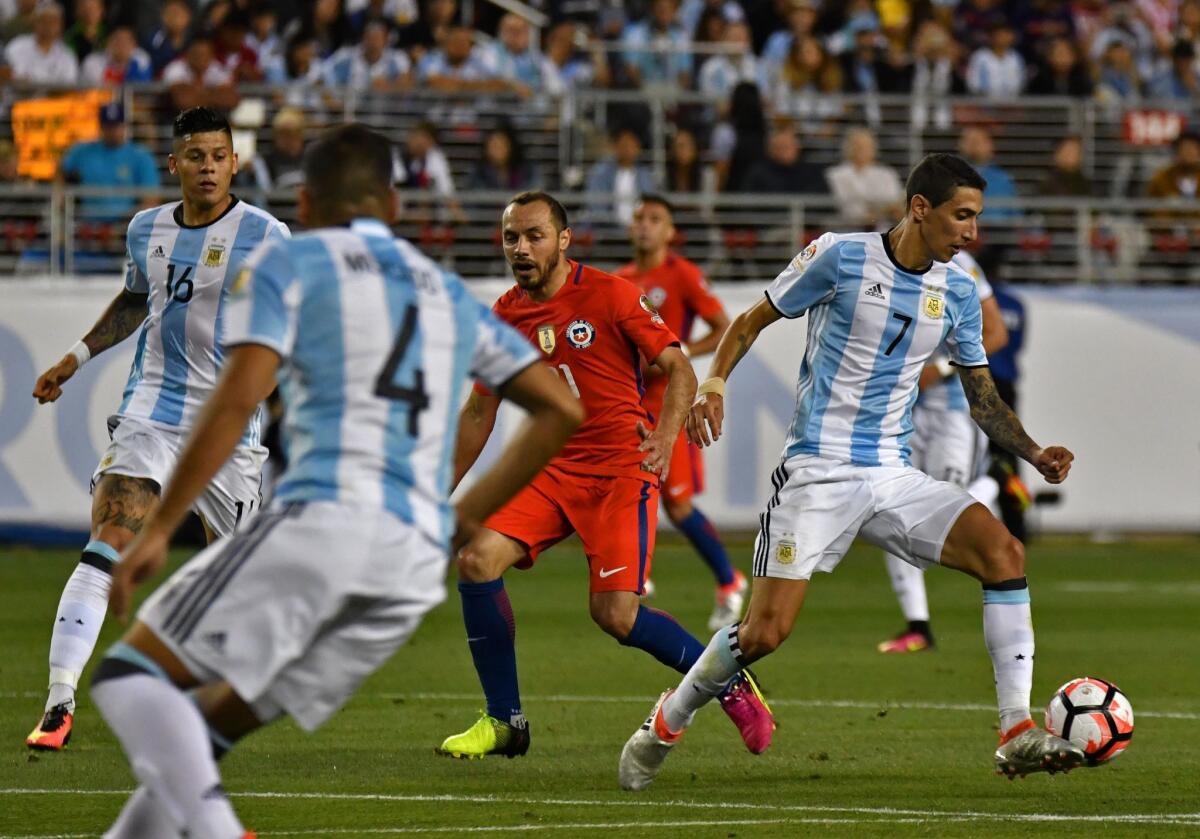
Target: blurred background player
(947, 445)
(603, 485)
(879, 306)
(182, 257)
(676, 288)
(373, 343)
(1015, 497)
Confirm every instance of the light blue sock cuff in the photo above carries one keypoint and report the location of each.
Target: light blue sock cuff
(1005, 597)
(103, 549)
(124, 652)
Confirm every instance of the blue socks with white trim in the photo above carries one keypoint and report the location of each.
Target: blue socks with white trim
(1008, 633)
(659, 634)
(703, 536)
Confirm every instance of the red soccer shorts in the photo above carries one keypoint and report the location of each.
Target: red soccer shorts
(615, 518)
(686, 475)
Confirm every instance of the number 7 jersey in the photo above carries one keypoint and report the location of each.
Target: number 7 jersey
(187, 272)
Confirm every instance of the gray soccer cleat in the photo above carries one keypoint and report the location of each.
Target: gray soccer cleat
(645, 751)
(1037, 750)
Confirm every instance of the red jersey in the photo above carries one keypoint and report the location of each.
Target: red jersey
(677, 289)
(594, 332)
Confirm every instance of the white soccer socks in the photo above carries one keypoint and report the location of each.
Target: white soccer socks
(78, 621)
(908, 582)
(142, 816)
(707, 678)
(1008, 633)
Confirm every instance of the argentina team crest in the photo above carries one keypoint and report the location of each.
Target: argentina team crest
(581, 334)
(785, 551)
(935, 305)
(214, 257)
(546, 338)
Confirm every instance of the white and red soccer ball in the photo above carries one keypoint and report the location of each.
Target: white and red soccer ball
(1094, 715)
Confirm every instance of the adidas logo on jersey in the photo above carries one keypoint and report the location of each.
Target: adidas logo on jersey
(158, 253)
(875, 291)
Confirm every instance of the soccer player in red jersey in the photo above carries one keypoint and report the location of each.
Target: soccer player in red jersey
(595, 330)
(676, 288)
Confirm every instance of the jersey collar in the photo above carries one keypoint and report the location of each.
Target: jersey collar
(370, 227)
(887, 249)
(178, 215)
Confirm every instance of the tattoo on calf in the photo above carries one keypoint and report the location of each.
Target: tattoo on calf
(125, 502)
(993, 415)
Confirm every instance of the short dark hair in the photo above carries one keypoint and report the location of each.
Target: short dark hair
(199, 121)
(558, 213)
(1186, 137)
(660, 200)
(938, 176)
(347, 162)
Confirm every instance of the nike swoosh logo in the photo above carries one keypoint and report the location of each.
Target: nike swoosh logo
(606, 574)
(480, 638)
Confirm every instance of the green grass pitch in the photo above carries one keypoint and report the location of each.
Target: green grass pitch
(868, 745)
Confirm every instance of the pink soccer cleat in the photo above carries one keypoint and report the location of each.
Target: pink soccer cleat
(743, 703)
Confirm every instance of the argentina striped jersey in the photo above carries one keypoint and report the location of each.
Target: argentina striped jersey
(872, 326)
(187, 271)
(377, 342)
(948, 394)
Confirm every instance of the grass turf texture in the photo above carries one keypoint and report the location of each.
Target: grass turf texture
(861, 749)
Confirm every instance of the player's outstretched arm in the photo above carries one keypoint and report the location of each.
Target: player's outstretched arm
(247, 378)
(681, 390)
(124, 314)
(999, 423)
(708, 412)
(554, 413)
(475, 423)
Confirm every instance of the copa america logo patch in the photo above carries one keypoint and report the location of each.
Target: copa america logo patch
(581, 334)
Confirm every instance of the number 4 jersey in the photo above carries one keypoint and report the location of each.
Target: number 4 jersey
(378, 344)
(594, 332)
(187, 271)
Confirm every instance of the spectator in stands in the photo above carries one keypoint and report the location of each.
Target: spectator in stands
(512, 57)
(723, 72)
(327, 22)
(621, 175)
(171, 38)
(739, 141)
(1180, 80)
(997, 71)
(41, 56)
(1181, 178)
(801, 24)
(371, 65)
(425, 166)
(196, 78)
(430, 29)
(569, 67)
(502, 164)
(459, 67)
(1120, 80)
(281, 168)
(686, 172)
(88, 32)
(111, 161)
(859, 16)
(784, 171)
(655, 50)
(976, 145)
(1121, 23)
(1041, 22)
(264, 38)
(8, 163)
(868, 193)
(20, 22)
(231, 50)
(934, 77)
(1061, 73)
(862, 65)
(692, 13)
(894, 73)
(808, 85)
(121, 62)
(974, 21)
(1189, 26)
(1067, 179)
(706, 34)
(1160, 17)
(299, 65)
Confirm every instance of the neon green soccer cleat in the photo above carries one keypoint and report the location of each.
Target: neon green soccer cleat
(488, 736)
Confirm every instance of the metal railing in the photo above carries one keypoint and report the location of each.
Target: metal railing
(73, 230)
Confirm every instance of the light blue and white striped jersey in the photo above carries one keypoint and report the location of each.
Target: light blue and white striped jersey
(872, 326)
(349, 67)
(948, 394)
(187, 271)
(377, 342)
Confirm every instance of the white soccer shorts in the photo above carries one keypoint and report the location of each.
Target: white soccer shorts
(820, 505)
(297, 608)
(141, 449)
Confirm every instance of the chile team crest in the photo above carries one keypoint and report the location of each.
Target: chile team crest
(581, 334)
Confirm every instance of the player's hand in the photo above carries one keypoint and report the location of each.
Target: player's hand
(705, 418)
(1054, 462)
(658, 451)
(144, 558)
(49, 385)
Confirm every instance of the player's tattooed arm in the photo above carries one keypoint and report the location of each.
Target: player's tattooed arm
(993, 415)
(740, 336)
(124, 314)
(122, 501)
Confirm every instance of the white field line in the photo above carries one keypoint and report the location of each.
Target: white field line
(783, 702)
(888, 814)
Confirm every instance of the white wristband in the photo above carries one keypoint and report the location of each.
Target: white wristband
(944, 367)
(81, 352)
(714, 385)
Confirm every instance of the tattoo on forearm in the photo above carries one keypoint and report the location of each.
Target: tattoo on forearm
(743, 347)
(120, 319)
(993, 415)
(122, 501)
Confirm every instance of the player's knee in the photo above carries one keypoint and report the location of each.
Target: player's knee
(677, 511)
(614, 617)
(476, 565)
(1004, 560)
(115, 536)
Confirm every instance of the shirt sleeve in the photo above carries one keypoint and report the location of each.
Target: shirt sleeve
(501, 352)
(809, 279)
(262, 308)
(640, 322)
(964, 343)
(135, 280)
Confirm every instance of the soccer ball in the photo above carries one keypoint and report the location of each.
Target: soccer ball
(1094, 715)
